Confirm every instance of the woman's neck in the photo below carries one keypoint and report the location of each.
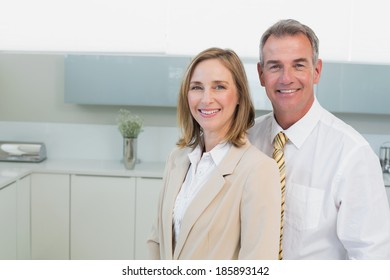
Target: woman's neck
(209, 142)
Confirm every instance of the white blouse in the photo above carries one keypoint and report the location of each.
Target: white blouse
(201, 168)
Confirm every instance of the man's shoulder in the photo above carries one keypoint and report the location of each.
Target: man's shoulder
(257, 132)
(263, 121)
(338, 126)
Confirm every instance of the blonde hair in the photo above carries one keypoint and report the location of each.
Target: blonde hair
(191, 132)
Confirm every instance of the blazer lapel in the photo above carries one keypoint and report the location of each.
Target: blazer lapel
(207, 193)
(176, 178)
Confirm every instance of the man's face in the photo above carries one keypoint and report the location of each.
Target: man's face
(288, 76)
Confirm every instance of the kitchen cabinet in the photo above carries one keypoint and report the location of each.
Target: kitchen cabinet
(142, 80)
(147, 195)
(123, 80)
(102, 217)
(259, 96)
(50, 210)
(354, 88)
(15, 220)
(92, 213)
(8, 225)
(23, 218)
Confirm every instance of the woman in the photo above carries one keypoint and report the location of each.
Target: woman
(221, 196)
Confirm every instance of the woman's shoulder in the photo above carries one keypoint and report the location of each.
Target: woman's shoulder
(254, 155)
(255, 163)
(178, 152)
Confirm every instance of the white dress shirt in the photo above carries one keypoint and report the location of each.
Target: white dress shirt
(201, 168)
(336, 205)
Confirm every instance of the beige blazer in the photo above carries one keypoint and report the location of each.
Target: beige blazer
(235, 215)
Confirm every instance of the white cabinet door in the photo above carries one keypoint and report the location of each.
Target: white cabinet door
(8, 222)
(23, 218)
(102, 217)
(50, 216)
(148, 192)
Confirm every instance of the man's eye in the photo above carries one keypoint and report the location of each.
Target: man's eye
(274, 67)
(299, 66)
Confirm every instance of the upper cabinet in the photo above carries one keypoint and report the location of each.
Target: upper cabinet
(259, 96)
(354, 88)
(154, 80)
(138, 80)
(124, 80)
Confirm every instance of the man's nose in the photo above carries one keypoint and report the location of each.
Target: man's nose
(286, 77)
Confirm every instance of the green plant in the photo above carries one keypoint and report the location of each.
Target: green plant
(129, 125)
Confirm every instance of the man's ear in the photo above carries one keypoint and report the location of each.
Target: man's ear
(317, 71)
(260, 73)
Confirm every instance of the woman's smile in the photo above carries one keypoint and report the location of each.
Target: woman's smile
(209, 112)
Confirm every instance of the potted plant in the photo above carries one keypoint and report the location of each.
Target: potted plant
(130, 126)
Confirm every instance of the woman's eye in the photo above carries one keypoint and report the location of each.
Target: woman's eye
(220, 87)
(195, 88)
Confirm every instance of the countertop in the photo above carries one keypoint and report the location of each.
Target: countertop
(11, 171)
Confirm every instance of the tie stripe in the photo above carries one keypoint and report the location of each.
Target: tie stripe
(278, 154)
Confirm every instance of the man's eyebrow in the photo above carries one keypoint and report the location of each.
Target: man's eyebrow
(301, 60)
(272, 62)
(278, 61)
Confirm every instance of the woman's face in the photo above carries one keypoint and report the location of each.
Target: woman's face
(212, 98)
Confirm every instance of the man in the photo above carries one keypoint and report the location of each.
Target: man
(335, 201)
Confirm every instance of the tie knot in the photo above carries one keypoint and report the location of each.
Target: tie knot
(280, 140)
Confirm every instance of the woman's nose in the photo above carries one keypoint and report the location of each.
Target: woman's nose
(207, 95)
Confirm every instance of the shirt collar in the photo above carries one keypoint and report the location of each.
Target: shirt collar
(217, 153)
(298, 132)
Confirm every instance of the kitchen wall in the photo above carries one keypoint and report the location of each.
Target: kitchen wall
(32, 108)
(31, 55)
(349, 30)
(32, 90)
(90, 141)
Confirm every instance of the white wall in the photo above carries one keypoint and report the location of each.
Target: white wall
(32, 89)
(36, 34)
(90, 141)
(350, 30)
(104, 142)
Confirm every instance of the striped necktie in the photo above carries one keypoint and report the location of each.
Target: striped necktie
(278, 154)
